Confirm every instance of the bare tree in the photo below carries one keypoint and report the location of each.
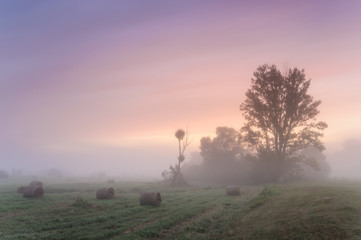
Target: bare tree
(174, 175)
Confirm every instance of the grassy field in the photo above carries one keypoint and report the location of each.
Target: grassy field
(293, 211)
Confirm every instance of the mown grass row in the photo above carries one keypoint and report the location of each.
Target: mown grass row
(296, 211)
(307, 211)
(183, 211)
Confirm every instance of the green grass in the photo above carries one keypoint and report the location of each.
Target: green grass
(69, 210)
(328, 211)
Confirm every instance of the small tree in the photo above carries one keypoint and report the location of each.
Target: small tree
(319, 169)
(223, 160)
(174, 176)
(224, 148)
(280, 121)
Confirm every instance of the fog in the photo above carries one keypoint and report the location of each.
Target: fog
(148, 162)
(75, 73)
(346, 162)
(130, 163)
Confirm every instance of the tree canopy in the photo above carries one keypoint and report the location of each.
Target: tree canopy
(280, 119)
(224, 147)
(223, 161)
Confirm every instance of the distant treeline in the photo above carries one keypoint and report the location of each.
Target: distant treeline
(225, 162)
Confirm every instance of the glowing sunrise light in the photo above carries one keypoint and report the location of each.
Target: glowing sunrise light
(92, 75)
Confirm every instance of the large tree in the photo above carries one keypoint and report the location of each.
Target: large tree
(280, 120)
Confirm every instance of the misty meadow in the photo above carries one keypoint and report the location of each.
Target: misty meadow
(180, 120)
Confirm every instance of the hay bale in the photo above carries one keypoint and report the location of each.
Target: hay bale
(33, 192)
(36, 184)
(233, 190)
(105, 193)
(21, 189)
(150, 198)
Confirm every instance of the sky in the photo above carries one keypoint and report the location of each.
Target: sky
(88, 86)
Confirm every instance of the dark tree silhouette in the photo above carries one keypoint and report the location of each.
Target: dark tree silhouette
(318, 170)
(175, 176)
(223, 161)
(222, 148)
(280, 120)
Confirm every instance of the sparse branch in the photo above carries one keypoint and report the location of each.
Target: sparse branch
(183, 142)
(186, 141)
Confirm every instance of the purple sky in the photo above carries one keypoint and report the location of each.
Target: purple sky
(90, 83)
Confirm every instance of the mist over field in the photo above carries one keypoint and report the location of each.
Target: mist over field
(147, 162)
(182, 119)
(346, 161)
(132, 162)
(93, 88)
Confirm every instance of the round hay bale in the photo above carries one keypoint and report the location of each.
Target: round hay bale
(21, 189)
(33, 192)
(233, 190)
(150, 198)
(105, 193)
(36, 184)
